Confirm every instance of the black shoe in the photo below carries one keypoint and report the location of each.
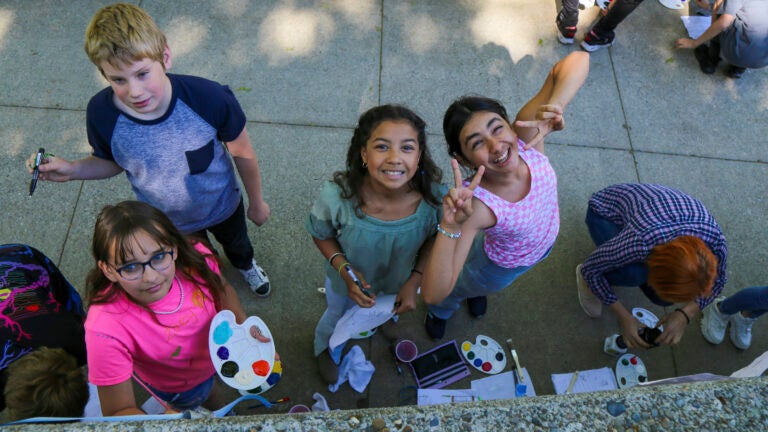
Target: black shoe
(564, 34)
(707, 64)
(477, 306)
(435, 326)
(593, 42)
(735, 72)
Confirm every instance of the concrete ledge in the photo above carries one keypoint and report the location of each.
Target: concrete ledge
(707, 406)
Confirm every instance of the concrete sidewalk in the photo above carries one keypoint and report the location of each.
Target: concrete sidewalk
(304, 70)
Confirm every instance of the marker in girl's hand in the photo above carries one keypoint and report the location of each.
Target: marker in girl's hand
(357, 282)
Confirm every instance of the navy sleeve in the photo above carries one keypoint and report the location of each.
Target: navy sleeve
(213, 102)
(101, 117)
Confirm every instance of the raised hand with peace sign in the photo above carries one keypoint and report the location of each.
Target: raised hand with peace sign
(457, 203)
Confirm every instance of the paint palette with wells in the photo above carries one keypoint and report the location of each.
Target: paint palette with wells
(240, 359)
(630, 371)
(485, 355)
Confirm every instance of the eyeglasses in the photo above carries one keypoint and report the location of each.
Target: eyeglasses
(159, 262)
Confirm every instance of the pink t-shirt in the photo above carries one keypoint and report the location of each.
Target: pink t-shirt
(527, 229)
(171, 356)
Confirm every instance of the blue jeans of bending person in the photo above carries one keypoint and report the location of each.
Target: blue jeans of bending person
(479, 277)
(753, 301)
(601, 230)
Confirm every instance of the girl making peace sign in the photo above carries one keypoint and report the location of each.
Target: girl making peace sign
(486, 243)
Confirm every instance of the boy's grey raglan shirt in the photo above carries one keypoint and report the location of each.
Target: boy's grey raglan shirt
(178, 162)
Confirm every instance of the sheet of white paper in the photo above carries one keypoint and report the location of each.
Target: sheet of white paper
(587, 381)
(357, 320)
(696, 25)
(443, 396)
(754, 369)
(686, 379)
(93, 407)
(152, 406)
(501, 386)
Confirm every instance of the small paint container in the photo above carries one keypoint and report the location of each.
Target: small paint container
(299, 408)
(406, 351)
(614, 345)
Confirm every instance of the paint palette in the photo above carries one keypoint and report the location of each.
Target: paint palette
(240, 359)
(646, 317)
(272, 379)
(485, 355)
(630, 371)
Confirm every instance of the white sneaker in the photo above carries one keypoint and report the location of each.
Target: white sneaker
(257, 280)
(741, 330)
(714, 322)
(591, 305)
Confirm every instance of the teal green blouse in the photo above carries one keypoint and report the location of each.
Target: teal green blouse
(384, 252)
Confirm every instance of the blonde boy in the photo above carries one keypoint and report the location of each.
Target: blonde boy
(172, 135)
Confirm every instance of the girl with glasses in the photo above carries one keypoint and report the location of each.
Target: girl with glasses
(152, 296)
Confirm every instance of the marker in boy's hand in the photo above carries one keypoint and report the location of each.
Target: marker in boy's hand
(36, 170)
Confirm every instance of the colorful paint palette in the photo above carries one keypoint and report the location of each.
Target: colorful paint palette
(240, 359)
(272, 379)
(485, 355)
(630, 371)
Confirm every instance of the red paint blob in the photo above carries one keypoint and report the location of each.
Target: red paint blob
(260, 368)
(633, 360)
(33, 308)
(486, 366)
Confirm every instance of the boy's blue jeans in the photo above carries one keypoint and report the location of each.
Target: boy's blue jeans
(479, 277)
(601, 230)
(753, 300)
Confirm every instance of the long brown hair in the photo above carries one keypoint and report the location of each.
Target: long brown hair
(351, 179)
(117, 226)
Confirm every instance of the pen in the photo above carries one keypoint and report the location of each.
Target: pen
(356, 280)
(36, 170)
(574, 377)
(394, 355)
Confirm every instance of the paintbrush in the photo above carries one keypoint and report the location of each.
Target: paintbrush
(519, 370)
(274, 402)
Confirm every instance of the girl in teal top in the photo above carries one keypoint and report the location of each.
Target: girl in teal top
(377, 216)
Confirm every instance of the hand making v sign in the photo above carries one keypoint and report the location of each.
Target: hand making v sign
(457, 203)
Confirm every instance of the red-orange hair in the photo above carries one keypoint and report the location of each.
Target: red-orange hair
(682, 269)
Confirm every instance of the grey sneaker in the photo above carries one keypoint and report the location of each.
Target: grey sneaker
(589, 303)
(741, 330)
(257, 280)
(714, 322)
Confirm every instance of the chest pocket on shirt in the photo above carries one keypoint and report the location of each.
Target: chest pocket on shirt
(200, 159)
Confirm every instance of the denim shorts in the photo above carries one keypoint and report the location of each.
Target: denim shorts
(189, 399)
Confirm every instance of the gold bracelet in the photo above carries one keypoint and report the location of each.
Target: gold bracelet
(342, 266)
